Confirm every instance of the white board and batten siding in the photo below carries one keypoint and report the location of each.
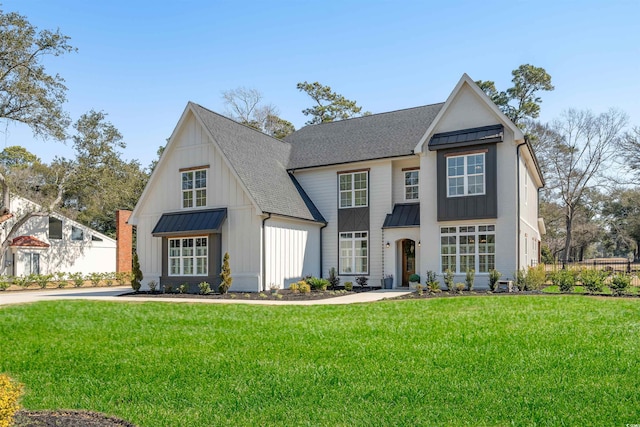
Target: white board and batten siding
(292, 251)
(321, 184)
(192, 147)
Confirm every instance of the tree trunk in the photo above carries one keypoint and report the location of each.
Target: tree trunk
(567, 239)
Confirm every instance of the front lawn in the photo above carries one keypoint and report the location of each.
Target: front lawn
(524, 360)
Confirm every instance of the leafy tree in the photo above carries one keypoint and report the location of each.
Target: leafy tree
(330, 105)
(225, 275)
(621, 211)
(244, 105)
(100, 180)
(17, 157)
(521, 101)
(28, 94)
(576, 152)
(630, 149)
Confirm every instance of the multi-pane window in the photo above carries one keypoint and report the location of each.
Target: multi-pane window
(465, 175)
(353, 189)
(411, 185)
(354, 253)
(468, 247)
(188, 256)
(194, 188)
(32, 264)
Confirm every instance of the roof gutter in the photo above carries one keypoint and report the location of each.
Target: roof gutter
(264, 253)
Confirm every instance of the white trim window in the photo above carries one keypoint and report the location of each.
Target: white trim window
(466, 175)
(354, 252)
(194, 188)
(411, 182)
(468, 247)
(188, 256)
(32, 263)
(353, 189)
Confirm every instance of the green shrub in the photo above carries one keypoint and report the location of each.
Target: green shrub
(564, 279)
(263, 295)
(536, 277)
(334, 280)
(4, 283)
(415, 278)
(168, 289)
(460, 287)
(95, 278)
(204, 287)
(520, 280)
(295, 287)
(304, 287)
(227, 280)
(593, 280)
(620, 282)
(318, 284)
(362, 281)
(448, 280)
(136, 273)
(77, 279)
(10, 393)
(183, 288)
(470, 278)
(494, 277)
(122, 277)
(348, 286)
(22, 281)
(419, 290)
(42, 280)
(61, 279)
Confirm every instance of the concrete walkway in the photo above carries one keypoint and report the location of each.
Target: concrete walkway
(111, 294)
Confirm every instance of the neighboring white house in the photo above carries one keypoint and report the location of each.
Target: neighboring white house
(444, 186)
(52, 243)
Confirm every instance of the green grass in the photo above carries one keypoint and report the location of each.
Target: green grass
(579, 289)
(521, 360)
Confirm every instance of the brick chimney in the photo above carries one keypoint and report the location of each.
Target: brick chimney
(124, 244)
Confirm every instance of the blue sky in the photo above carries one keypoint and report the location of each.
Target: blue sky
(141, 61)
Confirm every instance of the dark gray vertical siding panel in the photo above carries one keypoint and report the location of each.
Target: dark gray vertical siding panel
(353, 219)
(165, 256)
(470, 207)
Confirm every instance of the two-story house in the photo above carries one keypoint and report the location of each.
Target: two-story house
(50, 243)
(452, 185)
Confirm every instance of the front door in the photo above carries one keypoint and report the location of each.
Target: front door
(408, 260)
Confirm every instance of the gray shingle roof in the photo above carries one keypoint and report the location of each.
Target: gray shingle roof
(259, 161)
(377, 136)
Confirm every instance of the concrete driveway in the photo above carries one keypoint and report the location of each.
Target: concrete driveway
(111, 294)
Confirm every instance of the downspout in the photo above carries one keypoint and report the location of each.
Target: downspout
(264, 253)
(518, 208)
(325, 224)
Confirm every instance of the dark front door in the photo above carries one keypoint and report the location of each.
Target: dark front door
(408, 260)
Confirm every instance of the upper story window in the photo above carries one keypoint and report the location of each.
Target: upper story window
(77, 233)
(465, 175)
(194, 188)
(354, 189)
(55, 228)
(411, 184)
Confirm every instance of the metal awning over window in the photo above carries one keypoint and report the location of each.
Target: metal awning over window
(466, 137)
(403, 215)
(190, 223)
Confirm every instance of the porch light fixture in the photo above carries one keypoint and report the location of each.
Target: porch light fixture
(418, 243)
(388, 245)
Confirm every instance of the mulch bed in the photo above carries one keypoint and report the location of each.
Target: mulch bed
(285, 295)
(26, 418)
